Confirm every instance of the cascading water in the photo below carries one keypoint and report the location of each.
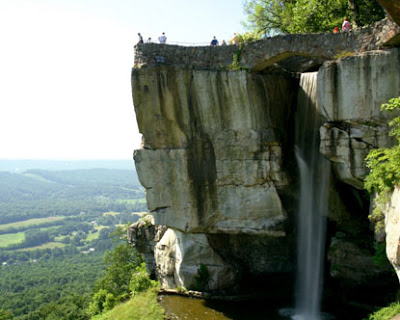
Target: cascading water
(314, 183)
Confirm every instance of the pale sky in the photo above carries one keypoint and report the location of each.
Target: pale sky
(65, 69)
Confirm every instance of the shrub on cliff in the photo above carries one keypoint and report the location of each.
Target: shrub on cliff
(384, 165)
(114, 286)
(385, 313)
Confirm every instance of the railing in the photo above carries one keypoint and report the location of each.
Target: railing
(184, 44)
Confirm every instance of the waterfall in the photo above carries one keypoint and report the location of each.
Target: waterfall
(314, 182)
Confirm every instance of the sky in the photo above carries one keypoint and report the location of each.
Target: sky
(65, 67)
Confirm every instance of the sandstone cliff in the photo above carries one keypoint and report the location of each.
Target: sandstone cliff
(218, 161)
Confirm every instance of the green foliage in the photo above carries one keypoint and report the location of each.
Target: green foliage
(57, 282)
(202, 278)
(41, 193)
(380, 258)
(143, 306)
(384, 164)
(344, 54)
(6, 315)
(56, 285)
(101, 301)
(364, 12)
(298, 16)
(181, 289)
(140, 280)
(385, 313)
(116, 282)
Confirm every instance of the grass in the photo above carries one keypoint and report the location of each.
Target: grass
(94, 236)
(48, 245)
(344, 54)
(11, 238)
(143, 306)
(385, 313)
(29, 223)
(132, 201)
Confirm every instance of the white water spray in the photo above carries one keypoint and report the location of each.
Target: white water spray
(314, 183)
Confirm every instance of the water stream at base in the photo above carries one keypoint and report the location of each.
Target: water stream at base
(311, 219)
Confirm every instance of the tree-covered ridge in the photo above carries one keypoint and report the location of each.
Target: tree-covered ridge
(66, 184)
(56, 278)
(41, 193)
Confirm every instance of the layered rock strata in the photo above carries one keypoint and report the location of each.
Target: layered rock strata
(218, 167)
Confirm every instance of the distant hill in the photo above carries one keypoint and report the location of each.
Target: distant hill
(41, 193)
(20, 165)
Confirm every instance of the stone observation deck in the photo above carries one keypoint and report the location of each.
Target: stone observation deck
(261, 54)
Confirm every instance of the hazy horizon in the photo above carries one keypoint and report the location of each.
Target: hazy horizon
(21, 165)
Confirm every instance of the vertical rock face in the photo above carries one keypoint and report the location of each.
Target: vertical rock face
(212, 163)
(212, 160)
(218, 167)
(350, 94)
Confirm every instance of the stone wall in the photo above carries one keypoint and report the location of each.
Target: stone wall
(263, 53)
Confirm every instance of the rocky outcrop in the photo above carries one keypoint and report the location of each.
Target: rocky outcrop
(212, 160)
(392, 229)
(350, 94)
(144, 235)
(219, 169)
(392, 7)
(187, 260)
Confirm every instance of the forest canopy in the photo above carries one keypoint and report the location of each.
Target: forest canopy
(270, 17)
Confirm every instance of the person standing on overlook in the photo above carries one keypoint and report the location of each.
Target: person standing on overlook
(235, 39)
(346, 26)
(140, 38)
(162, 38)
(214, 42)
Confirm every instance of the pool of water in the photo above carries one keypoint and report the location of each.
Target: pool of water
(180, 308)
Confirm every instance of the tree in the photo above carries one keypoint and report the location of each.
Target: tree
(114, 286)
(364, 12)
(298, 16)
(6, 315)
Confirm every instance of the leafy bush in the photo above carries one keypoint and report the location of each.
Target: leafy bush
(384, 164)
(143, 306)
(5, 315)
(140, 280)
(385, 313)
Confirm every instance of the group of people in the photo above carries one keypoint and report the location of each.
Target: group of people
(346, 26)
(214, 42)
(161, 39)
(234, 40)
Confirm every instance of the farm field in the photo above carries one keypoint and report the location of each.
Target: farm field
(11, 238)
(30, 223)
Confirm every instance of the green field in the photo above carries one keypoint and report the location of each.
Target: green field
(48, 245)
(93, 236)
(11, 238)
(30, 223)
(132, 201)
